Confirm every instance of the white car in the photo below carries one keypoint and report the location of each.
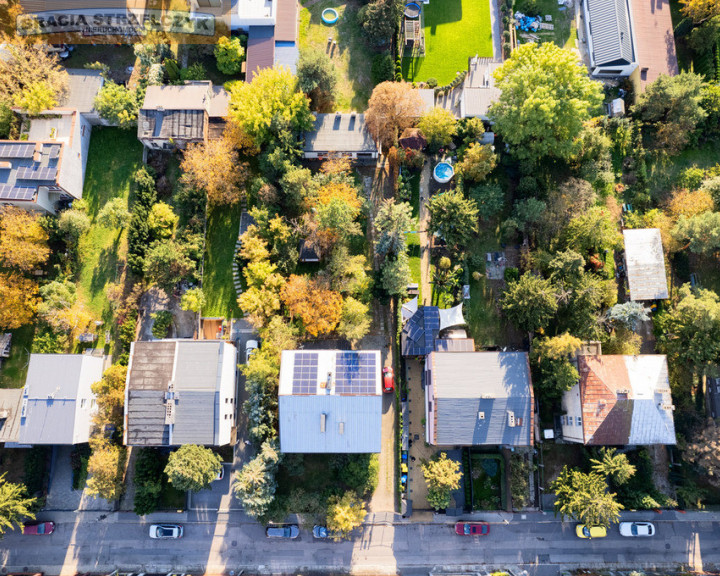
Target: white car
(636, 529)
(250, 348)
(166, 531)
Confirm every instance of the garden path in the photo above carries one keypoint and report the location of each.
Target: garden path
(423, 222)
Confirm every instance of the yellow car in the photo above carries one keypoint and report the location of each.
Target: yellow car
(590, 532)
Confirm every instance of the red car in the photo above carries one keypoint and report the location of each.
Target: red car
(388, 379)
(39, 528)
(472, 528)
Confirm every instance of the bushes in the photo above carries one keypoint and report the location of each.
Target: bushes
(148, 480)
(139, 230)
(519, 481)
(382, 68)
(459, 78)
(358, 471)
(162, 323)
(79, 458)
(36, 469)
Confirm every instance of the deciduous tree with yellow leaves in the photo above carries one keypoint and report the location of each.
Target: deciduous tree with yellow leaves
(23, 242)
(316, 306)
(215, 168)
(19, 300)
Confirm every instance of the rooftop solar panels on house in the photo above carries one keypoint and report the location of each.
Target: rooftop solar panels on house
(54, 151)
(32, 173)
(420, 331)
(305, 373)
(355, 373)
(8, 192)
(16, 150)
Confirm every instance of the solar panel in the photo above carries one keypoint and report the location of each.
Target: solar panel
(54, 151)
(355, 373)
(32, 173)
(8, 192)
(13, 150)
(305, 373)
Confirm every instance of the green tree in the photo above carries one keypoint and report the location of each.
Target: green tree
(701, 233)
(378, 19)
(114, 214)
(73, 223)
(36, 97)
(166, 264)
(192, 467)
(489, 198)
(454, 218)
(355, 319)
(392, 222)
(477, 162)
(613, 465)
(347, 273)
(442, 476)
(255, 485)
(118, 105)
(106, 469)
(162, 221)
(148, 481)
(439, 126)
(344, 514)
(6, 121)
(556, 374)
(545, 100)
(316, 74)
(193, 300)
(584, 497)
(15, 506)
(230, 55)
(530, 302)
(593, 232)
(671, 110)
(273, 92)
(395, 274)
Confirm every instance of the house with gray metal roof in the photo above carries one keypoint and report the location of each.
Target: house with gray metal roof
(180, 392)
(645, 264)
(478, 399)
(610, 38)
(340, 135)
(330, 401)
(175, 116)
(57, 400)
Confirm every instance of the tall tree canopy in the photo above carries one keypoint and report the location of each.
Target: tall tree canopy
(19, 300)
(393, 107)
(442, 476)
(28, 65)
(453, 217)
(214, 167)
(23, 241)
(192, 467)
(15, 506)
(344, 514)
(317, 307)
(438, 125)
(546, 96)
(585, 497)
(530, 302)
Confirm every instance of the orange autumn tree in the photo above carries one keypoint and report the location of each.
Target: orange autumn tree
(215, 167)
(23, 242)
(317, 307)
(18, 296)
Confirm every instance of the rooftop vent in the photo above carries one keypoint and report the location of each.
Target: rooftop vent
(341, 428)
(323, 418)
(511, 418)
(481, 415)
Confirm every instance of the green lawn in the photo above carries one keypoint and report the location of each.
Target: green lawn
(351, 56)
(114, 157)
(454, 31)
(222, 233)
(14, 369)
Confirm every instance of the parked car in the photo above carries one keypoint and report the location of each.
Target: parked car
(590, 532)
(637, 529)
(250, 348)
(320, 532)
(39, 528)
(388, 379)
(472, 528)
(282, 531)
(166, 531)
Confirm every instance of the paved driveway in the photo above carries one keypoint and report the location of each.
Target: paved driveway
(218, 497)
(61, 496)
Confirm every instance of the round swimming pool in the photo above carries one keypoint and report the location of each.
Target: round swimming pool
(412, 10)
(329, 16)
(443, 172)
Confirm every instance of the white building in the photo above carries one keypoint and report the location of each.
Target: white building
(645, 263)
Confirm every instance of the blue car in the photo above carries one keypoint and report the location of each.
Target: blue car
(320, 532)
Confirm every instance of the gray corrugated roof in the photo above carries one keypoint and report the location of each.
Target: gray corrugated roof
(300, 418)
(145, 412)
(477, 101)
(610, 32)
(645, 262)
(83, 87)
(339, 133)
(195, 417)
(466, 383)
(175, 124)
(455, 345)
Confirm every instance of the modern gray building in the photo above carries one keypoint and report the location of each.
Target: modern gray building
(478, 399)
(340, 135)
(610, 37)
(330, 402)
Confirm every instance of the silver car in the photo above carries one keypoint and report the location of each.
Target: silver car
(166, 531)
(636, 529)
(283, 531)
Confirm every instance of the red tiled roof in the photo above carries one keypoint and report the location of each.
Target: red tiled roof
(654, 38)
(600, 379)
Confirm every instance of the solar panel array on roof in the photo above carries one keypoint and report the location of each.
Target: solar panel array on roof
(32, 173)
(305, 373)
(420, 332)
(54, 151)
(17, 150)
(9, 192)
(355, 373)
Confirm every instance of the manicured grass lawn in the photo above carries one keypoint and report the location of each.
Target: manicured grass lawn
(14, 369)
(114, 157)
(222, 232)
(351, 56)
(454, 31)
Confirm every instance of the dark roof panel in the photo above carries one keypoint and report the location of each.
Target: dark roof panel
(260, 50)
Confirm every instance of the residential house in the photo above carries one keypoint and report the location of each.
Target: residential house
(175, 116)
(340, 135)
(57, 401)
(330, 401)
(10, 406)
(478, 399)
(619, 401)
(645, 264)
(422, 328)
(180, 392)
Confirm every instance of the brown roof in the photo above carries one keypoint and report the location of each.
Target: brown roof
(412, 138)
(654, 39)
(600, 376)
(286, 24)
(260, 50)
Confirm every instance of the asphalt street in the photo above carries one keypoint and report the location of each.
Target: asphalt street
(218, 544)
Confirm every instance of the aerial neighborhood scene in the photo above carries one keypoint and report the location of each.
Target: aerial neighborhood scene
(375, 287)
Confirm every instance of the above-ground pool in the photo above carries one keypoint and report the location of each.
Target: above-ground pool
(412, 10)
(443, 172)
(329, 16)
